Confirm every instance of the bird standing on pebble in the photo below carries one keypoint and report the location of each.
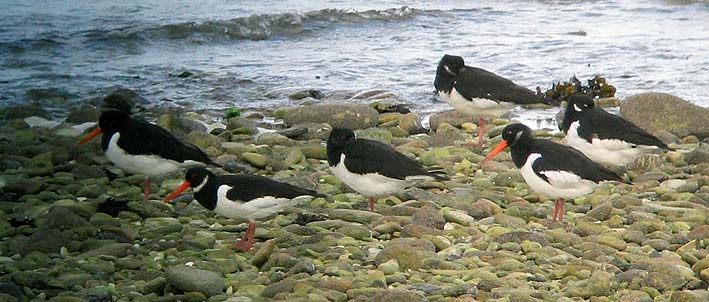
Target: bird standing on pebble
(478, 92)
(241, 196)
(139, 147)
(604, 137)
(554, 170)
(372, 168)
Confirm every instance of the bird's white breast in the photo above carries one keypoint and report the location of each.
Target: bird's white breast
(253, 209)
(476, 106)
(151, 165)
(559, 184)
(370, 184)
(613, 152)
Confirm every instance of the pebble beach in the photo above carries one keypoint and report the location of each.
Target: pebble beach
(75, 228)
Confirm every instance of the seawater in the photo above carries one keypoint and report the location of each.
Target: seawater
(253, 54)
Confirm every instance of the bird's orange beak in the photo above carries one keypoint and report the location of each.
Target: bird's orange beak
(91, 135)
(503, 144)
(177, 192)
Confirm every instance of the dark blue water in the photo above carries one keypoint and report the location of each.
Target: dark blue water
(253, 55)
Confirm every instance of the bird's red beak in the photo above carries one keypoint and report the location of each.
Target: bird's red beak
(503, 144)
(177, 192)
(91, 135)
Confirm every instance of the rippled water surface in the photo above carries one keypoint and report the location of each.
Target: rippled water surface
(253, 54)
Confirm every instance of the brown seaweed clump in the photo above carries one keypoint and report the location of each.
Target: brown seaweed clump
(596, 87)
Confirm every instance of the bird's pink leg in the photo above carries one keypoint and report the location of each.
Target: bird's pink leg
(146, 188)
(558, 211)
(371, 204)
(481, 132)
(247, 240)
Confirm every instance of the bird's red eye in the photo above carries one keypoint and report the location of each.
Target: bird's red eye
(193, 175)
(343, 137)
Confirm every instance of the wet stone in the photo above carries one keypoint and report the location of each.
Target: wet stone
(189, 279)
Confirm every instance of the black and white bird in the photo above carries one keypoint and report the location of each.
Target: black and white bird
(478, 92)
(241, 196)
(554, 170)
(373, 168)
(139, 147)
(604, 137)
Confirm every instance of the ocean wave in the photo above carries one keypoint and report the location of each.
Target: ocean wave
(24, 45)
(254, 27)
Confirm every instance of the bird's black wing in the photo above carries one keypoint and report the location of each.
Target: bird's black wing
(367, 156)
(247, 187)
(141, 137)
(479, 83)
(557, 157)
(605, 125)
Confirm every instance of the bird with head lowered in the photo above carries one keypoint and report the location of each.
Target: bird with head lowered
(478, 92)
(604, 137)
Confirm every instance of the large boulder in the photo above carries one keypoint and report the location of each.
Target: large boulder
(123, 99)
(353, 116)
(661, 111)
(453, 117)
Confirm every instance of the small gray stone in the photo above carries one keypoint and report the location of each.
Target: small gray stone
(282, 286)
(453, 117)
(397, 295)
(190, 279)
(293, 132)
(650, 176)
(83, 114)
(519, 236)
(263, 253)
(428, 216)
(273, 139)
(601, 212)
(241, 122)
(112, 249)
(257, 160)
(363, 217)
(698, 155)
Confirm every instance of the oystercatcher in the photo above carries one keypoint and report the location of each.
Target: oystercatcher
(241, 196)
(139, 147)
(373, 168)
(604, 137)
(554, 170)
(478, 92)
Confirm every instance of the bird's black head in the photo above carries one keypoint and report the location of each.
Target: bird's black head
(340, 136)
(512, 136)
(113, 121)
(514, 133)
(451, 65)
(109, 123)
(578, 105)
(196, 178)
(197, 175)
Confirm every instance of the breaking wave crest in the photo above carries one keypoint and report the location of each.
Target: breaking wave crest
(257, 27)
